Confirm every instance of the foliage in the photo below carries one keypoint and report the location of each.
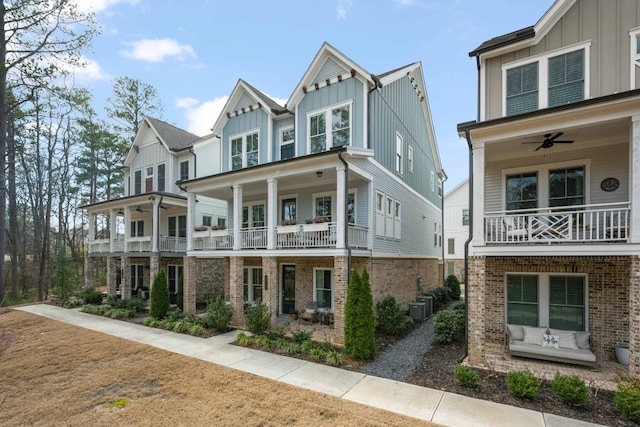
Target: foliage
(390, 315)
(440, 298)
(301, 336)
(90, 296)
(182, 326)
(243, 339)
(134, 304)
(118, 403)
(64, 277)
(627, 399)
(258, 319)
(466, 376)
(318, 354)
(570, 389)
(522, 384)
(159, 306)
(452, 285)
(459, 307)
(334, 358)
(277, 333)
(449, 325)
(219, 314)
(359, 331)
(96, 309)
(180, 295)
(196, 329)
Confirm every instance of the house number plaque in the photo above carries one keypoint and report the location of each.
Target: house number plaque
(609, 184)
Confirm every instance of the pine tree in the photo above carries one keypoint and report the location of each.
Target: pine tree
(359, 331)
(159, 297)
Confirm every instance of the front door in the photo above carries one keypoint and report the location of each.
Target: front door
(288, 288)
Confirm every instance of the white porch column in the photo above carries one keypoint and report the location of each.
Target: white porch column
(127, 227)
(341, 217)
(92, 226)
(634, 179)
(478, 194)
(237, 215)
(156, 222)
(272, 211)
(191, 219)
(113, 232)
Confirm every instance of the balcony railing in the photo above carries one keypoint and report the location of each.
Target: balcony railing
(98, 246)
(173, 244)
(139, 244)
(576, 224)
(253, 238)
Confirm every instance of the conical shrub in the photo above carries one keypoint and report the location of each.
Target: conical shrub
(159, 306)
(359, 331)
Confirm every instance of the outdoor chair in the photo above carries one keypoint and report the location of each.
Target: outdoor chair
(309, 314)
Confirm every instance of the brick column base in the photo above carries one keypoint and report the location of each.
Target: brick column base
(236, 289)
(476, 292)
(189, 284)
(90, 272)
(340, 277)
(270, 288)
(634, 318)
(154, 268)
(126, 277)
(112, 276)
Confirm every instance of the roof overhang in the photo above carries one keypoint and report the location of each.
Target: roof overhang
(134, 200)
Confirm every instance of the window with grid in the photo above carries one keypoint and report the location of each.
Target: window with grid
(330, 128)
(252, 284)
(252, 149)
(236, 153)
(522, 299)
(137, 183)
(318, 132)
(566, 187)
(287, 144)
(522, 191)
(137, 228)
(465, 216)
(206, 220)
(323, 207)
(566, 78)
(522, 89)
(289, 209)
(245, 151)
(184, 170)
(566, 303)
(399, 151)
(340, 126)
(161, 177)
(322, 283)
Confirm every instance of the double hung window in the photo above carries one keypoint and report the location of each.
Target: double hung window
(323, 288)
(244, 150)
(329, 128)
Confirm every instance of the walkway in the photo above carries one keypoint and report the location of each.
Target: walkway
(423, 403)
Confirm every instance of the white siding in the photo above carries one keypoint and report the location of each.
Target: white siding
(455, 202)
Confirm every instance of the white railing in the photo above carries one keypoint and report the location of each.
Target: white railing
(118, 245)
(139, 244)
(253, 238)
(214, 242)
(576, 224)
(358, 236)
(173, 244)
(98, 246)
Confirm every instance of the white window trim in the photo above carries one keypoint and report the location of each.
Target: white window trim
(243, 136)
(410, 157)
(329, 123)
(250, 205)
(180, 162)
(634, 57)
(134, 182)
(380, 214)
(543, 295)
(281, 142)
(315, 288)
(284, 197)
(399, 154)
(543, 72)
(251, 285)
(177, 271)
(354, 191)
(543, 179)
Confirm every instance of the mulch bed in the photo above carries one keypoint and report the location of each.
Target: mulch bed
(437, 371)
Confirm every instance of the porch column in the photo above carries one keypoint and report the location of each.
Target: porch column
(270, 286)
(191, 216)
(236, 289)
(90, 272)
(156, 221)
(634, 179)
(113, 232)
(154, 268)
(341, 216)
(478, 194)
(189, 284)
(92, 226)
(127, 227)
(634, 318)
(272, 211)
(237, 216)
(112, 276)
(340, 275)
(126, 277)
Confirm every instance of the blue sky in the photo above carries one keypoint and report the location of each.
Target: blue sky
(194, 51)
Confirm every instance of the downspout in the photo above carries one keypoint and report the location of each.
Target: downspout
(195, 162)
(157, 231)
(467, 135)
(444, 274)
(346, 215)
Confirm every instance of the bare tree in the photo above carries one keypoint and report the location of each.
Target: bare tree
(42, 39)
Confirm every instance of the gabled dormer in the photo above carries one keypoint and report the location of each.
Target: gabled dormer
(577, 51)
(245, 127)
(330, 103)
(159, 156)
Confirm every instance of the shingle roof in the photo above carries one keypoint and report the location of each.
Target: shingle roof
(504, 40)
(394, 70)
(273, 105)
(175, 138)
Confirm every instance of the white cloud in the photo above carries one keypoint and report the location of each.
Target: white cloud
(201, 116)
(157, 50)
(343, 8)
(405, 3)
(281, 101)
(91, 71)
(98, 6)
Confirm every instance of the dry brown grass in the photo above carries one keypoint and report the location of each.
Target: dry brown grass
(52, 373)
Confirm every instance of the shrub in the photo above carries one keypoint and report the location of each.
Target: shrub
(258, 319)
(182, 326)
(265, 342)
(452, 285)
(449, 326)
(277, 333)
(219, 314)
(308, 346)
(243, 339)
(522, 384)
(180, 295)
(159, 296)
(440, 298)
(459, 307)
(147, 321)
(570, 389)
(301, 336)
(196, 329)
(466, 376)
(359, 330)
(133, 304)
(118, 313)
(334, 358)
(91, 297)
(318, 354)
(627, 399)
(289, 347)
(390, 315)
(96, 309)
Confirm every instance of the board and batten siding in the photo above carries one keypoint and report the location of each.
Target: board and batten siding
(245, 122)
(395, 108)
(604, 162)
(605, 23)
(347, 90)
(329, 70)
(417, 215)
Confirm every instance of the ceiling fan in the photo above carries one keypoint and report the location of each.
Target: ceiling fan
(549, 140)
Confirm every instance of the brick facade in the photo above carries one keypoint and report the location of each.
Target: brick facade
(634, 318)
(236, 289)
(190, 265)
(212, 278)
(608, 281)
(126, 277)
(458, 268)
(112, 276)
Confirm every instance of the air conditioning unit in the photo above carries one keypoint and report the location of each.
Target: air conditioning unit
(428, 300)
(418, 311)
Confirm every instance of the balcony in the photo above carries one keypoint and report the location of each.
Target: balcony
(575, 224)
(302, 236)
(138, 244)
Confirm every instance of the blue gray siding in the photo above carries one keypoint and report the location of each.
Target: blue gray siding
(279, 125)
(251, 120)
(329, 70)
(409, 121)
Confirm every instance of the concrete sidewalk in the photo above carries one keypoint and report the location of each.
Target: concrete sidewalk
(419, 402)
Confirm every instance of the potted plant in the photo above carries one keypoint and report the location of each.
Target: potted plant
(219, 230)
(201, 231)
(288, 226)
(318, 223)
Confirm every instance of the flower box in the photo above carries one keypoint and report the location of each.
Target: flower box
(222, 232)
(318, 226)
(288, 229)
(204, 233)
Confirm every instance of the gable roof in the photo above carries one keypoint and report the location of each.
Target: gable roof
(174, 138)
(273, 105)
(525, 37)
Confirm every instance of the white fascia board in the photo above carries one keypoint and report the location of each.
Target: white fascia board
(396, 75)
(222, 118)
(624, 249)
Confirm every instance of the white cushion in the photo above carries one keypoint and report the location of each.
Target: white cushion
(516, 332)
(567, 340)
(582, 337)
(550, 341)
(566, 353)
(533, 335)
(311, 310)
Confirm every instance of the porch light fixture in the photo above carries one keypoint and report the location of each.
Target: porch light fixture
(319, 174)
(266, 282)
